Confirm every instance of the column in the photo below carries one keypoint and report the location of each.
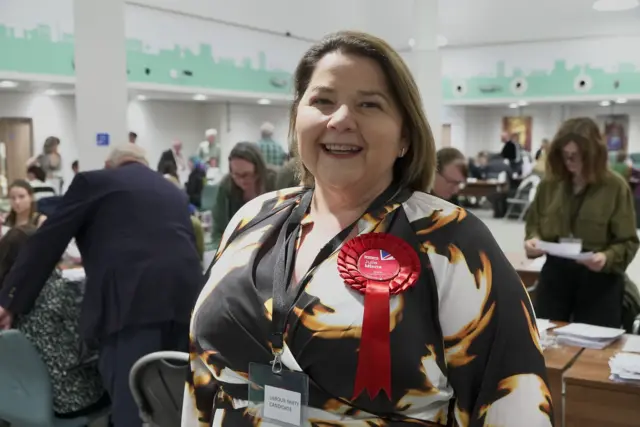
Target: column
(101, 79)
(411, 27)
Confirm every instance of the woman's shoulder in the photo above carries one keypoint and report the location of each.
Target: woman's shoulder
(267, 202)
(423, 205)
(614, 180)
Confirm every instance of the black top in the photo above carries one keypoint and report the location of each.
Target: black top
(464, 342)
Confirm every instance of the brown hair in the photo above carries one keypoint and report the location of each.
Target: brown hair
(448, 155)
(593, 151)
(415, 170)
(21, 183)
(251, 153)
(10, 246)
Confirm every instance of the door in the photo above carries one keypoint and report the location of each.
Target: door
(16, 134)
(446, 135)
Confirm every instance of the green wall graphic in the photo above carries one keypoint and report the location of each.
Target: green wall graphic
(38, 53)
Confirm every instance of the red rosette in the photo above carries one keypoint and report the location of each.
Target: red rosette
(378, 265)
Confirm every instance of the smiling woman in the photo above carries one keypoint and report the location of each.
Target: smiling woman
(359, 299)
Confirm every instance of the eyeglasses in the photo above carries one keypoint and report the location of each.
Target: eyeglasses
(453, 182)
(242, 176)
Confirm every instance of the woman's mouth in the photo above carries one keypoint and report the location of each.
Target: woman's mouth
(341, 149)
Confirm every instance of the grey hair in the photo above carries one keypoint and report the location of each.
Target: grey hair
(127, 153)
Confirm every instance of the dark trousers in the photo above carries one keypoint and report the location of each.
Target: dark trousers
(120, 351)
(569, 292)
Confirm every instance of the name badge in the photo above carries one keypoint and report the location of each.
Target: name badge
(279, 398)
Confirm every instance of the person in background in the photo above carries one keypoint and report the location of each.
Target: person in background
(512, 151)
(24, 210)
(540, 164)
(174, 156)
(459, 347)
(451, 173)
(478, 166)
(248, 178)
(198, 230)
(622, 166)
(208, 150)
(133, 137)
(52, 327)
(134, 234)
(288, 174)
(51, 162)
(75, 167)
(272, 152)
(544, 148)
(37, 180)
(167, 168)
(196, 181)
(582, 201)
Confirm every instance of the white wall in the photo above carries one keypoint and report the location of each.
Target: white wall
(157, 123)
(483, 125)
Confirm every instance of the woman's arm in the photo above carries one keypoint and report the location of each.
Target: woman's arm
(622, 228)
(41, 219)
(532, 217)
(495, 362)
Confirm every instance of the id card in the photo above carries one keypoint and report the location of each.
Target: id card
(280, 399)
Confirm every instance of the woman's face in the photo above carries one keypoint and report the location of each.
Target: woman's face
(348, 128)
(243, 173)
(20, 200)
(572, 158)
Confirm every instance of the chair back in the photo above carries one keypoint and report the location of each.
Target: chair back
(157, 384)
(25, 388)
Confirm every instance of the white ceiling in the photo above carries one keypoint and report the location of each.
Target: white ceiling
(462, 22)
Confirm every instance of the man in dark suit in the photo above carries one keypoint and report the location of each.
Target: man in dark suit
(172, 162)
(138, 249)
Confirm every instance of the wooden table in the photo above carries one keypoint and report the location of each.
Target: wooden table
(529, 274)
(483, 188)
(557, 360)
(592, 399)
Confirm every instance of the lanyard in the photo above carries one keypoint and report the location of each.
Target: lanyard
(284, 296)
(575, 213)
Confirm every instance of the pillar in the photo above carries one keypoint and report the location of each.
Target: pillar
(101, 79)
(416, 41)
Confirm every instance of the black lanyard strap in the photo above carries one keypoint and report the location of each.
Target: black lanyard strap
(284, 296)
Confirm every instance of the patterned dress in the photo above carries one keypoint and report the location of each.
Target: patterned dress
(52, 327)
(464, 343)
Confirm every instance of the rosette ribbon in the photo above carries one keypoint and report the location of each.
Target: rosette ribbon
(378, 265)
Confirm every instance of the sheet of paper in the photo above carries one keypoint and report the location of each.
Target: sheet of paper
(632, 345)
(544, 324)
(560, 249)
(583, 330)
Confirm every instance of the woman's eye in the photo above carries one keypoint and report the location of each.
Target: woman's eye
(320, 101)
(370, 105)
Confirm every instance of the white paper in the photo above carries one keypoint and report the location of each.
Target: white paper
(282, 405)
(632, 345)
(582, 330)
(544, 324)
(564, 250)
(625, 367)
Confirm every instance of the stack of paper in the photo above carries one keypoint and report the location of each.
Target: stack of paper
(544, 324)
(625, 367)
(588, 336)
(564, 250)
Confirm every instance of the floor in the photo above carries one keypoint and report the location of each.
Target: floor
(510, 236)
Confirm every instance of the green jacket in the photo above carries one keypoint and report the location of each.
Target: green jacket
(605, 219)
(229, 199)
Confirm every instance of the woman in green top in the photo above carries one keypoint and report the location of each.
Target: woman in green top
(581, 200)
(248, 178)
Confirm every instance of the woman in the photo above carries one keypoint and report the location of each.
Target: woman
(581, 200)
(52, 327)
(23, 206)
(196, 181)
(462, 343)
(50, 161)
(248, 178)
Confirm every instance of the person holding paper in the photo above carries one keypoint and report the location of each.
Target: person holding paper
(582, 202)
(358, 299)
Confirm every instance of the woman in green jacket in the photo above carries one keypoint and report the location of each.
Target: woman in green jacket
(248, 178)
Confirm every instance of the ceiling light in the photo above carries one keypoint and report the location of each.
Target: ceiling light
(8, 83)
(615, 5)
(199, 97)
(442, 41)
(141, 98)
(605, 103)
(621, 100)
(264, 101)
(523, 103)
(514, 105)
(51, 92)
